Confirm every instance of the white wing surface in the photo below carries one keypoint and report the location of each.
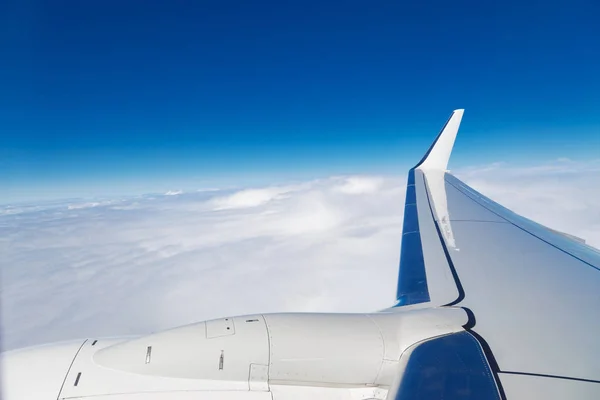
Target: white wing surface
(532, 294)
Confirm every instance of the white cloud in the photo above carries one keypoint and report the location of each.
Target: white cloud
(90, 204)
(360, 185)
(82, 205)
(154, 262)
(249, 198)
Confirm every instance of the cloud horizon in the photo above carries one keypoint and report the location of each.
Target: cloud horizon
(135, 265)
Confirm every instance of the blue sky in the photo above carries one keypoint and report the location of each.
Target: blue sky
(109, 97)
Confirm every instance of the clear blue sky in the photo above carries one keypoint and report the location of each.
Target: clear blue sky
(103, 96)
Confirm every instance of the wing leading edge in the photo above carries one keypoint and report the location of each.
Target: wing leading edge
(533, 294)
(425, 274)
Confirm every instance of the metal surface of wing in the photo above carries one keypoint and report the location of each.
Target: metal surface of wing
(532, 293)
(425, 277)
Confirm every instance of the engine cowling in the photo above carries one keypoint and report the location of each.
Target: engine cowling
(255, 357)
(293, 348)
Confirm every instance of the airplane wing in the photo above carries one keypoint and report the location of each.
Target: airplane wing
(532, 294)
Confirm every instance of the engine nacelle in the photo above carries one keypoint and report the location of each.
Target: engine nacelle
(308, 348)
(255, 357)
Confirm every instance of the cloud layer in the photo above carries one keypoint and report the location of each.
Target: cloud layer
(136, 265)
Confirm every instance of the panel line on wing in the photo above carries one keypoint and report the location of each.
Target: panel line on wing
(69, 370)
(570, 378)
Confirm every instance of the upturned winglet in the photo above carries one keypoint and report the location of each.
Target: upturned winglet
(438, 154)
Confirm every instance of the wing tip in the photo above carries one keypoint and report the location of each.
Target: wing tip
(438, 155)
